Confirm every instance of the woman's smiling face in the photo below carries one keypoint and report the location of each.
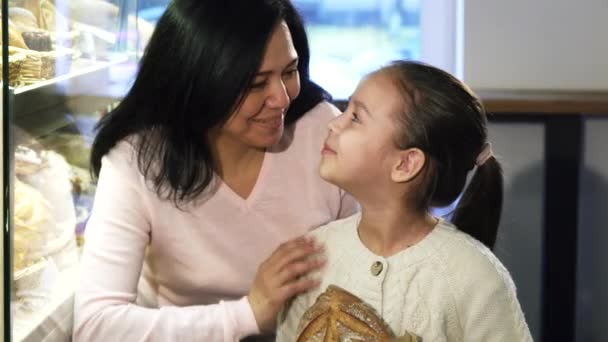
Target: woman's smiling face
(259, 120)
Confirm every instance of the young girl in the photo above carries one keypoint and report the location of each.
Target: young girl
(407, 141)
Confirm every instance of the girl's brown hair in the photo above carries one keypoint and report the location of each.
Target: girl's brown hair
(442, 117)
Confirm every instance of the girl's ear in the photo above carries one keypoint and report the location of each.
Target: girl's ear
(408, 165)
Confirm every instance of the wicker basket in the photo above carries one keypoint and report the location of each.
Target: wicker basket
(38, 66)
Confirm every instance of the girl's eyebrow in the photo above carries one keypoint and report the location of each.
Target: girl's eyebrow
(360, 105)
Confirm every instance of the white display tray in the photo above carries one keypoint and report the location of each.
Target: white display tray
(54, 321)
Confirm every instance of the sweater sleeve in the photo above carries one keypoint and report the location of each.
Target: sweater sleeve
(117, 234)
(487, 303)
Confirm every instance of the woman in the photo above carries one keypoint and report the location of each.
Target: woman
(208, 164)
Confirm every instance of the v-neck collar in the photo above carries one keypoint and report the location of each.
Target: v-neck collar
(245, 203)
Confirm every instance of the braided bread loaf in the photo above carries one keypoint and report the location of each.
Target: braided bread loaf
(338, 315)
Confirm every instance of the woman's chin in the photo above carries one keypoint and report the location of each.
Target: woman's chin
(267, 141)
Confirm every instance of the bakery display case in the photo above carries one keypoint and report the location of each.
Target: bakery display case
(65, 63)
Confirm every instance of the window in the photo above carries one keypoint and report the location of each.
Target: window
(349, 38)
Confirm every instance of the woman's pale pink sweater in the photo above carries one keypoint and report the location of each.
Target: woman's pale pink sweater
(199, 262)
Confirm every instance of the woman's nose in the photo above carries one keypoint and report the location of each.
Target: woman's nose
(278, 96)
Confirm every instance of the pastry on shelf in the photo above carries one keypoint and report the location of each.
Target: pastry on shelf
(30, 70)
(32, 220)
(23, 19)
(74, 147)
(15, 60)
(52, 178)
(45, 47)
(50, 18)
(27, 161)
(38, 66)
(53, 181)
(38, 40)
(338, 315)
(32, 224)
(15, 38)
(32, 6)
(15, 63)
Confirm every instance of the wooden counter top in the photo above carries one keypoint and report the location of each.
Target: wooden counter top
(550, 102)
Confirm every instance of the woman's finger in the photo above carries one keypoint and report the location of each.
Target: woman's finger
(278, 254)
(286, 247)
(294, 253)
(298, 269)
(296, 287)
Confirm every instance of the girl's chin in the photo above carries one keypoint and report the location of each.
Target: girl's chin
(327, 174)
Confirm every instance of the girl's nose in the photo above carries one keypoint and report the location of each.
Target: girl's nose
(336, 124)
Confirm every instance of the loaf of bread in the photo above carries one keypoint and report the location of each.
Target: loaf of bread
(32, 219)
(38, 40)
(338, 315)
(15, 39)
(48, 16)
(23, 19)
(31, 5)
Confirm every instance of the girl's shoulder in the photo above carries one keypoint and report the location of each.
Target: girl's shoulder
(465, 260)
(338, 230)
(462, 249)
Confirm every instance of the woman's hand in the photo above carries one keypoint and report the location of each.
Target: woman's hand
(280, 277)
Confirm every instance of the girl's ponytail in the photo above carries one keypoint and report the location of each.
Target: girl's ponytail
(479, 209)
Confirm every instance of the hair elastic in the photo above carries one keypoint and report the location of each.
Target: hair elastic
(485, 154)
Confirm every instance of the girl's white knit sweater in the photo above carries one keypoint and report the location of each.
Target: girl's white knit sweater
(447, 287)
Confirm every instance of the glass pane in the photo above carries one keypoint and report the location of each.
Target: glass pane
(69, 63)
(349, 38)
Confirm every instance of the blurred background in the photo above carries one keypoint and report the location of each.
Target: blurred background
(540, 67)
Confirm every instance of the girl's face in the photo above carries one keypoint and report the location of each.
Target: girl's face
(359, 150)
(258, 121)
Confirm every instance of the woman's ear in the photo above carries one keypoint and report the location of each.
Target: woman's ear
(408, 165)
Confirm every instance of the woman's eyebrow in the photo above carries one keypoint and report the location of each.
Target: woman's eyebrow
(268, 72)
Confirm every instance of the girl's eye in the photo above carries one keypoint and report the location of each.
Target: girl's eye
(355, 118)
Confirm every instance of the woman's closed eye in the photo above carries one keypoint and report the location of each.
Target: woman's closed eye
(290, 73)
(258, 85)
(261, 84)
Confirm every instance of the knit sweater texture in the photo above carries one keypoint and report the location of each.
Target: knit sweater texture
(447, 287)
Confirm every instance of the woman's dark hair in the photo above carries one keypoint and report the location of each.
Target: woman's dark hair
(443, 118)
(199, 62)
